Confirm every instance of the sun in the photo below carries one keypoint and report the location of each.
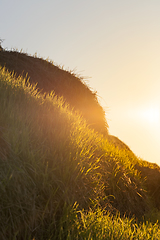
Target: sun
(147, 115)
(151, 115)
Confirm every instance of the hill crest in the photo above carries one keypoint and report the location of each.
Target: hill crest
(49, 77)
(71, 87)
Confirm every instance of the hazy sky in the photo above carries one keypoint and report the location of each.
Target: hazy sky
(115, 44)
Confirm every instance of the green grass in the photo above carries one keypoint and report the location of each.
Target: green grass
(61, 180)
(98, 225)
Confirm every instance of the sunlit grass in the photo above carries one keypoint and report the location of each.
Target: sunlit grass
(99, 225)
(51, 160)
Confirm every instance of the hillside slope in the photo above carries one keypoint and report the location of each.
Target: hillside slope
(50, 77)
(50, 162)
(58, 177)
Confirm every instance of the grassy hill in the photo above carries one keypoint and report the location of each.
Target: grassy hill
(61, 179)
(50, 77)
(73, 88)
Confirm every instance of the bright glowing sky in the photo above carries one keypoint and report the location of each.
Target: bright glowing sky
(115, 43)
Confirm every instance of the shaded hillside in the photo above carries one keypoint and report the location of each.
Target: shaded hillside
(50, 77)
(151, 173)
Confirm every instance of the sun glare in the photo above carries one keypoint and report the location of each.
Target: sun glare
(151, 115)
(147, 115)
